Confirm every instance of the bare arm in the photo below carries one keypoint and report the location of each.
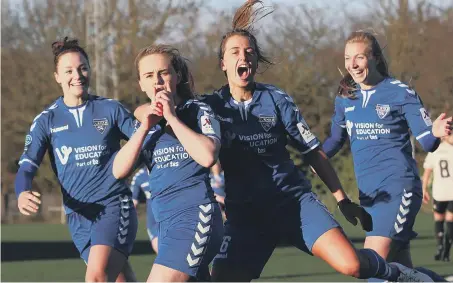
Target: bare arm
(216, 169)
(320, 162)
(127, 156)
(203, 149)
(129, 153)
(425, 182)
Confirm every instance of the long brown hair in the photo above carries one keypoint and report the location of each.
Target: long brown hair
(347, 85)
(185, 87)
(244, 19)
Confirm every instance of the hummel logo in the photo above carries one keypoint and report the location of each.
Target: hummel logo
(191, 261)
(59, 129)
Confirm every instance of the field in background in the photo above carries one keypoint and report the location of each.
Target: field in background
(286, 264)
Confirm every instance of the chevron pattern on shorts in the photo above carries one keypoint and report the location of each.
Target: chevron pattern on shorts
(198, 246)
(404, 209)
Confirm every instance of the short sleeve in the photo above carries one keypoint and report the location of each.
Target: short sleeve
(295, 125)
(428, 164)
(207, 123)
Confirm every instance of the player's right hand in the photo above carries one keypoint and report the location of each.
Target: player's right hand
(28, 202)
(426, 197)
(151, 116)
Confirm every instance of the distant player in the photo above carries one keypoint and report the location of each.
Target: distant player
(181, 149)
(376, 112)
(82, 133)
(140, 184)
(439, 164)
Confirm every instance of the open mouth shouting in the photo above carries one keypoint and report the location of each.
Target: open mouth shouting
(244, 71)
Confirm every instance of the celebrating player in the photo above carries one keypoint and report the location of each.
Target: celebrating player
(82, 133)
(179, 153)
(267, 197)
(377, 112)
(140, 183)
(440, 165)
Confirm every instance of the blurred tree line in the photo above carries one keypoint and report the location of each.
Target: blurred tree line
(307, 50)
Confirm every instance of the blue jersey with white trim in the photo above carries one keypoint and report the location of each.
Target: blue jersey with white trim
(140, 183)
(176, 180)
(257, 166)
(378, 123)
(82, 142)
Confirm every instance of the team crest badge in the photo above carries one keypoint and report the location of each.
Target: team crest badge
(101, 124)
(382, 110)
(267, 122)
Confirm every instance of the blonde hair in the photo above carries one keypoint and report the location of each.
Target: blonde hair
(185, 87)
(347, 84)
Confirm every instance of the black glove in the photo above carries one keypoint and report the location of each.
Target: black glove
(351, 211)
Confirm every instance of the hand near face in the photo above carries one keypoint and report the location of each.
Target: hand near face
(151, 116)
(165, 102)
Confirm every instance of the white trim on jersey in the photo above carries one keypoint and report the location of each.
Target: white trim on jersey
(366, 97)
(78, 115)
(423, 134)
(29, 161)
(311, 148)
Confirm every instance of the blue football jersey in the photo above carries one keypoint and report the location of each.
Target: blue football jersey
(378, 123)
(140, 183)
(176, 180)
(82, 142)
(257, 166)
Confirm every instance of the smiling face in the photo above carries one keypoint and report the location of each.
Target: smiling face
(359, 63)
(240, 61)
(156, 73)
(73, 74)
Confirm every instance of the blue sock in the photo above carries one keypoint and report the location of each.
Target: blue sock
(378, 268)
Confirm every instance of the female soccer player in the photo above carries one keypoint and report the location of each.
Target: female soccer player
(82, 133)
(377, 112)
(440, 165)
(182, 147)
(140, 183)
(267, 197)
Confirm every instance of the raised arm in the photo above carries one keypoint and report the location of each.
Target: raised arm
(338, 133)
(127, 156)
(426, 132)
(202, 146)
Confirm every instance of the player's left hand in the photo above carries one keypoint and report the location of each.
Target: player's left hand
(442, 126)
(165, 100)
(351, 211)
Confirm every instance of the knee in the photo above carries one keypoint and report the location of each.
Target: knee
(350, 268)
(95, 275)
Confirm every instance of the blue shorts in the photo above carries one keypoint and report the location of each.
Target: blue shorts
(248, 246)
(189, 241)
(112, 222)
(394, 215)
(151, 224)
